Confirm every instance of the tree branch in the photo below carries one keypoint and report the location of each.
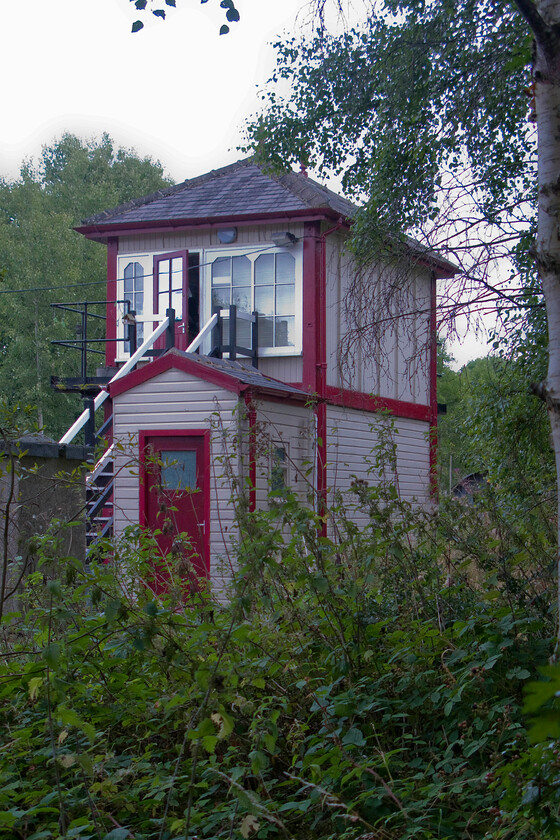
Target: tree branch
(537, 24)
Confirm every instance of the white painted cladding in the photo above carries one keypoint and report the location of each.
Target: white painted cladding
(392, 358)
(354, 441)
(291, 427)
(200, 238)
(176, 400)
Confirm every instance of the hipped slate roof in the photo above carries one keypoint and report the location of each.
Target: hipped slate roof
(241, 189)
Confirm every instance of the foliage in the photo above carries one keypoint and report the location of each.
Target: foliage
(364, 685)
(232, 15)
(48, 262)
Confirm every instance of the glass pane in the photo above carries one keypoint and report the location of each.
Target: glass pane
(244, 334)
(177, 274)
(139, 302)
(242, 298)
(177, 303)
(163, 276)
(221, 270)
(178, 471)
(241, 271)
(285, 332)
(285, 300)
(128, 284)
(264, 300)
(221, 297)
(266, 332)
(264, 269)
(285, 268)
(139, 334)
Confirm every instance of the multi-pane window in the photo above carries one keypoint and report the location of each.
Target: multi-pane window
(134, 293)
(169, 272)
(265, 283)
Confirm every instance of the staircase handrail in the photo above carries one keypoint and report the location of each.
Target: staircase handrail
(126, 368)
(206, 329)
(107, 455)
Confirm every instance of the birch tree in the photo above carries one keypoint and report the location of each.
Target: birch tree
(445, 117)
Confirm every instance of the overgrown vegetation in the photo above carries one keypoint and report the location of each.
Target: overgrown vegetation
(367, 685)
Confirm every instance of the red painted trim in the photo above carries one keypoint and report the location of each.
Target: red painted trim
(173, 360)
(252, 417)
(111, 311)
(171, 255)
(143, 436)
(368, 402)
(128, 228)
(433, 390)
(311, 270)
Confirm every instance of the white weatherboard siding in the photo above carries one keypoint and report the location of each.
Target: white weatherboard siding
(176, 400)
(194, 240)
(396, 364)
(352, 447)
(291, 427)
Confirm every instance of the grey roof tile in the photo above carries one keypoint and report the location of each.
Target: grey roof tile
(242, 188)
(243, 373)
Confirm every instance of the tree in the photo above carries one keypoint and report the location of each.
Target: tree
(157, 8)
(45, 261)
(429, 110)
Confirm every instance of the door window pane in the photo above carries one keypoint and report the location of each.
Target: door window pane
(178, 470)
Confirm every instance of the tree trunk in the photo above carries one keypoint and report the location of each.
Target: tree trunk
(543, 17)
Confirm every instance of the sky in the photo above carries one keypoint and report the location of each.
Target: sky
(176, 91)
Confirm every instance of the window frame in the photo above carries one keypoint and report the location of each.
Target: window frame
(253, 252)
(147, 260)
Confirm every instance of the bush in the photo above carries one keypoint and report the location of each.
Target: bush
(367, 685)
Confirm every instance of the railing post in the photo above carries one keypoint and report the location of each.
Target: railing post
(89, 431)
(217, 335)
(255, 339)
(233, 331)
(132, 332)
(170, 331)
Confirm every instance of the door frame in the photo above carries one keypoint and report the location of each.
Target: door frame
(144, 436)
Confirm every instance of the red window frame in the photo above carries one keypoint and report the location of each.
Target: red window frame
(172, 255)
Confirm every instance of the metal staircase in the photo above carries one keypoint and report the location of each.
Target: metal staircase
(100, 481)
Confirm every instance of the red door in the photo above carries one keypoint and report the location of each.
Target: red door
(171, 291)
(175, 494)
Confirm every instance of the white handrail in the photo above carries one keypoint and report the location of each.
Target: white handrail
(107, 455)
(209, 325)
(126, 368)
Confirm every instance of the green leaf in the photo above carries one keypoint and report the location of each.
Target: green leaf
(137, 25)
(232, 15)
(209, 742)
(170, 2)
(54, 588)
(117, 834)
(141, 4)
(224, 29)
(159, 13)
(51, 655)
(354, 736)
(33, 685)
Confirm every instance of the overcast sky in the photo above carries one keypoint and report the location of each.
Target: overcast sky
(176, 90)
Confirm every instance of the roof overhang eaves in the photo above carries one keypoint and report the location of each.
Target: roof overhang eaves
(102, 232)
(276, 395)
